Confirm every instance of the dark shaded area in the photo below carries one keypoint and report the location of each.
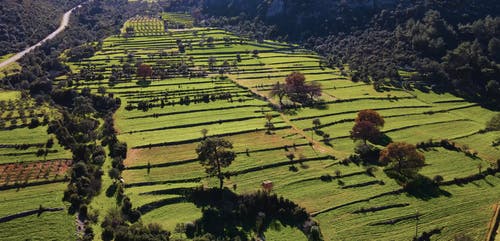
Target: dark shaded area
(23, 23)
(228, 215)
(426, 236)
(396, 220)
(417, 185)
(28, 213)
(380, 208)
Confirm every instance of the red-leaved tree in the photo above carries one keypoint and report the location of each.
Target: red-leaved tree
(144, 71)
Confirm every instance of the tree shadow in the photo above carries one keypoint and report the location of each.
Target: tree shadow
(143, 83)
(417, 185)
(319, 105)
(382, 140)
(290, 111)
(319, 132)
(237, 217)
(111, 190)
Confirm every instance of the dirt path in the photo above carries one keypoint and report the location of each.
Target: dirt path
(317, 145)
(493, 226)
(62, 26)
(80, 226)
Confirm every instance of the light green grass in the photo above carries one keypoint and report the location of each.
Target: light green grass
(48, 226)
(411, 116)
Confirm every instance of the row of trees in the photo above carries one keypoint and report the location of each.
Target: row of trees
(402, 157)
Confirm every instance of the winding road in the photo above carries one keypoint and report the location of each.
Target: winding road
(62, 26)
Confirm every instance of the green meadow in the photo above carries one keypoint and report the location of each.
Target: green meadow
(20, 164)
(233, 103)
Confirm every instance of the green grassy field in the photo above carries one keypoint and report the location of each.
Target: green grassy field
(9, 69)
(19, 141)
(166, 135)
(47, 226)
(20, 164)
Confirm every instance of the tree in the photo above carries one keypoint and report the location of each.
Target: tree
(214, 154)
(494, 123)
(211, 63)
(255, 53)
(462, 237)
(313, 90)
(295, 82)
(269, 125)
(210, 41)
(297, 89)
(144, 70)
(371, 116)
(316, 122)
(367, 125)
(279, 90)
(364, 130)
(101, 90)
(438, 179)
(83, 106)
(204, 132)
(114, 174)
(403, 157)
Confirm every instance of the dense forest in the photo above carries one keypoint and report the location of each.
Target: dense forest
(25, 22)
(449, 45)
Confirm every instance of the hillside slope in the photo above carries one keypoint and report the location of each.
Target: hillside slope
(26, 22)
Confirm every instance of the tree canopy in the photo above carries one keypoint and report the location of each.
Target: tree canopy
(215, 153)
(297, 89)
(403, 157)
(367, 126)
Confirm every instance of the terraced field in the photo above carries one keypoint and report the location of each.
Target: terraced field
(221, 82)
(23, 132)
(31, 173)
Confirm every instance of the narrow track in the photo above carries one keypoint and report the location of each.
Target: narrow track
(62, 26)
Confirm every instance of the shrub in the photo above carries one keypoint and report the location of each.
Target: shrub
(326, 178)
(494, 123)
(438, 179)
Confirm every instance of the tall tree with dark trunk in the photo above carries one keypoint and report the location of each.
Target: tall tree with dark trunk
(279, 90)
(367, 126)
(215, 154)
(364, 130)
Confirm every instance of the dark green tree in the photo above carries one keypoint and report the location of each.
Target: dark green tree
(214, 154)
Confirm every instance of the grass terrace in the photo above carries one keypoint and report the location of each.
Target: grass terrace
(221, 82)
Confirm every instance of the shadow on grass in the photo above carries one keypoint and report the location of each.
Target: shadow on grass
(144, 83)
(417, 185)
(111, 190)
(238, 217)
(319, 105)
(383, 140)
